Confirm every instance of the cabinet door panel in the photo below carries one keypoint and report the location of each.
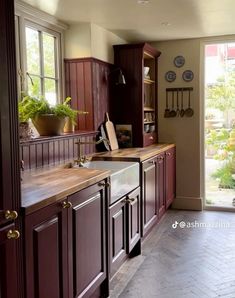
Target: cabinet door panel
(8, 285)
(89, 240)
(149, 203)
(170, 176)
(133, 219)
(117, 215)
(160, 189)
(46, 253)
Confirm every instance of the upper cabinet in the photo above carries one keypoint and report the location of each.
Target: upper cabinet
(135, 103)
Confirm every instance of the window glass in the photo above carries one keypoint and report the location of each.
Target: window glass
(32, 51)
(50, 91)
(49, 55)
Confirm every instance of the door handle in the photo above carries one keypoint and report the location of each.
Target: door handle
(66, 205)
(13, 234)
(11, 214)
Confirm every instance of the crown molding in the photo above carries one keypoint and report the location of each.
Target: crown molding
(39, 16)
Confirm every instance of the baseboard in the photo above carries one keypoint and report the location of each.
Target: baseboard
(187, 203)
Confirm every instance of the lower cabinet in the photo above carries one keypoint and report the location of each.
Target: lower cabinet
(46, 252)
(8, 274)
(124, 217)
(66, 247)
(158, 188)
(88, 254)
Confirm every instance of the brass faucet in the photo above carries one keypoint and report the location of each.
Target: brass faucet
(81, 159)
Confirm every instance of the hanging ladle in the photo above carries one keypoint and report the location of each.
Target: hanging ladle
(173, 112)
(189, 111)
(177, 104)
(182, 103)
(167, 110)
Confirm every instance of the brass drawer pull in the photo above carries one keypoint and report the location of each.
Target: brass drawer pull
(11, 214)
(103, 184)
(67, 204)
(130, 200)
(151, 162)
(13, 234)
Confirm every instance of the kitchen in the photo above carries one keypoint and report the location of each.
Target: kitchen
(188, 173)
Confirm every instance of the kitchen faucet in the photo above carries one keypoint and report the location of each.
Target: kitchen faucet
(81, 159)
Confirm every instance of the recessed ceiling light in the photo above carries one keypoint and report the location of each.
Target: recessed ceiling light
(143, 1)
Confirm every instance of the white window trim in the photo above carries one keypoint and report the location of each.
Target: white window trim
(29, 15)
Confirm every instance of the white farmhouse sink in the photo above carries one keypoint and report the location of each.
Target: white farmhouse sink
(124, 176)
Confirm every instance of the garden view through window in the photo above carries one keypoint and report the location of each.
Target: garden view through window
(41, 64)
(220, 125)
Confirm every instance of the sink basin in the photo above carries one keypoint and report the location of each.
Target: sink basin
(124, 176)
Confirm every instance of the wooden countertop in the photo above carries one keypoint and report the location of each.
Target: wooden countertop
(133, 154)
(45, 186)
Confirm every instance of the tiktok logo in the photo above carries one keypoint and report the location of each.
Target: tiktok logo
(175, 224)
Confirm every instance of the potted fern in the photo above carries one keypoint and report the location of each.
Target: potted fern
(48, 120)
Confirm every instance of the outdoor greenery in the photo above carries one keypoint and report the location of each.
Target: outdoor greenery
(221, 96)
(30, 107)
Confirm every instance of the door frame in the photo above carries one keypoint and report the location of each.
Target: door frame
(203, 43)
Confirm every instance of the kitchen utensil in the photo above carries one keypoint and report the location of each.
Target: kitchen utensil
(167, 110)
(104, 137)
(189, 111)
(177, 104)
(182, 103)
(173, 112)
(111, 133)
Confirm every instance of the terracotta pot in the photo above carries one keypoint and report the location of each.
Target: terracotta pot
(49, 124)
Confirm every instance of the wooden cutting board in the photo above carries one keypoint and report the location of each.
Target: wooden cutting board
(111, 133)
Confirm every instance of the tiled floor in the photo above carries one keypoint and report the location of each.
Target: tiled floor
(183, 262)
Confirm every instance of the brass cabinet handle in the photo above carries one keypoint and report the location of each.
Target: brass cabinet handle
(160, 158)
(124, 200)
(168, 154)
(129, 200)
(103, 184)
(13, 234)
(67, 204)
(151, 162)
(11, 214)
(151, 138)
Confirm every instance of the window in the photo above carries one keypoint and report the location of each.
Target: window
(41, 63)
(39, 39)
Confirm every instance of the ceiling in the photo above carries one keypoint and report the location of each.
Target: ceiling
(157, 20)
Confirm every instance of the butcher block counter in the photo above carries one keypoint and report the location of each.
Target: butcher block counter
(133, 154)
(41, 187)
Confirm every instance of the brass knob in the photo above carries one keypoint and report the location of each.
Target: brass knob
(151, 138)
(130, 200)
(168, 154)
(103, 184)
(124, 200)
(67, 204)
(13, 234)
(11, 214)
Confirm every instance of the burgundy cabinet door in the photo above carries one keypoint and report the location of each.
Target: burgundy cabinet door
(133, 219)
(160, 183)
(87, 229)
(46, 252)
(170, 176)
(149, 207)
(117, 224)
(8, 277)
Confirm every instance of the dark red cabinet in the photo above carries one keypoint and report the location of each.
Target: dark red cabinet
(46, 252)
(170, 166)
(88, 243)
(8, 264)
(124, 222)
(66, 247)
(158, 187)
(149, 206)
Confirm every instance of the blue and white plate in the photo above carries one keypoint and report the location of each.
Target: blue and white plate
(179, 61)
(188, 75)
(170, 76)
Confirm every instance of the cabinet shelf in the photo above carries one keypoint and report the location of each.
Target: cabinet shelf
(148, 81)
(149, 109)
(149, 122)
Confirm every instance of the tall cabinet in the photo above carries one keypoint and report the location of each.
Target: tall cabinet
(135, 103)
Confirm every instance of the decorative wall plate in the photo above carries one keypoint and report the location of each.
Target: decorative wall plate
(170, 76)
(179, 61)
(188, 75)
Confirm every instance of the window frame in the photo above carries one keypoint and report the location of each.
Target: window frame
(28, 16)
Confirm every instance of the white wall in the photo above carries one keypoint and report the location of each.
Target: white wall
(185, 132)
(90, 40)
(78, 41)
